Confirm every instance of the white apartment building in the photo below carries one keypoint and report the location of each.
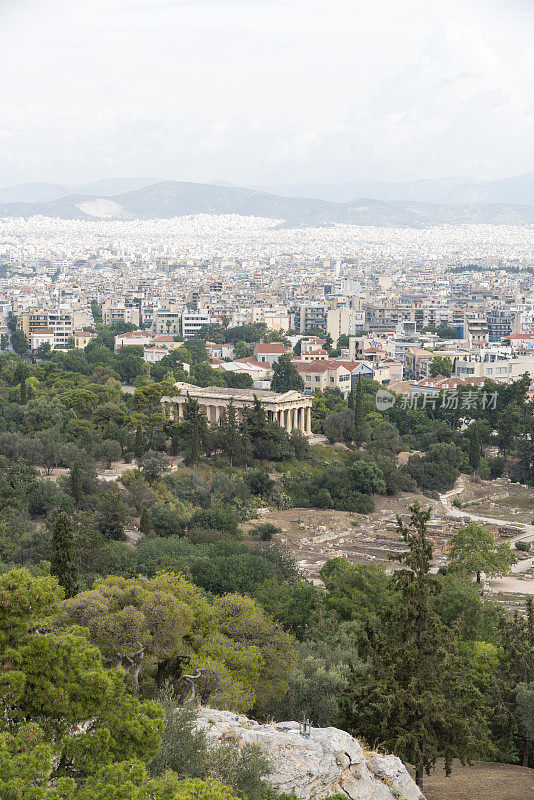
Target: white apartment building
(120, 313)
(62, 324)
(508, 369)
(193, 321)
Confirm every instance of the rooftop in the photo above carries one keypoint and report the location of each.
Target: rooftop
(222, 392)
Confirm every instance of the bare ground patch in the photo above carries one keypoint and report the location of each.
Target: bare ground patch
(316, 535)
(481, 781)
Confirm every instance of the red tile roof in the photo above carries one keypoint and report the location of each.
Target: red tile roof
(274, 347)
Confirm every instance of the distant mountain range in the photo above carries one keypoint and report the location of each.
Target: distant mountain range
(449, 191)
(44, 192)
(168, 199)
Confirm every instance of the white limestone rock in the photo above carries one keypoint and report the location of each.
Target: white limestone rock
(326, 762)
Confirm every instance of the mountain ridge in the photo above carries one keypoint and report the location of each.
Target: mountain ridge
(516, 190)
(168, 199)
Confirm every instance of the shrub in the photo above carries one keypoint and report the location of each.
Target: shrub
(223, 518)
(258, 481)
(496, 466)
(165, 521)
(265, 531)
(523, 546)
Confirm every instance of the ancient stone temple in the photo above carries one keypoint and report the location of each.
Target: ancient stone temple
(291, 410)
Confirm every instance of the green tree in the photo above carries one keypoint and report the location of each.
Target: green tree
(112, 515)
(441, 365)
(108, 451)
(55, 679)
(154, 465)
(139, 444)
(153, 627)
(20, 376)
(508, 427)
(63, 564)
(474, 450)
(11, 322)
(524, 693)
(359, 417)
(145, 523)
(75, 480)
(474, 550)
(417, 696)
(285, 376)
(194, 431)
(229, 437)
(509, 702)
(19, 342)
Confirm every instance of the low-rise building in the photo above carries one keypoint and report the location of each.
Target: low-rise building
(268, 353)
(324, 375)
(42, 336)
(82, 338)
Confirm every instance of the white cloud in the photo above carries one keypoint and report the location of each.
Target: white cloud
(266, 91)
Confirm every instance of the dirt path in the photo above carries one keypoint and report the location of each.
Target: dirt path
(525, 534)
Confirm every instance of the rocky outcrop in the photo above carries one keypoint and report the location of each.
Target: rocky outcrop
(325, 762)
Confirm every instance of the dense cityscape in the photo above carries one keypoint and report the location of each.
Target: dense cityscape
(392, 289)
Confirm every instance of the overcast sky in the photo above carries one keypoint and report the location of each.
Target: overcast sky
(265, 91)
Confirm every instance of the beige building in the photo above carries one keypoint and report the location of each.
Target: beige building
(33, 320)
(338, 322)
(291, 410)
(82, 338)
(277, 320)
(119, 312)
(324, 375)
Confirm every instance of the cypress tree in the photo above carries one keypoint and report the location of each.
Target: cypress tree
(474, 450)
(358, 414)
(76, 482)
(417, 697)
(145, 523)
(138, 448)
(230, 436)
(194, 430)
(20, 374)
(63, 564)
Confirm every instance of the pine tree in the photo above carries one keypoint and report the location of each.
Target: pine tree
(357, 405)
(145, 523)
(230, 438)
(76, 482)
(20, 374)
(63, 564)
(194, 430)
(516, 674)
(285, 376)
(474, 450)
(417, 697)
(139, 447)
